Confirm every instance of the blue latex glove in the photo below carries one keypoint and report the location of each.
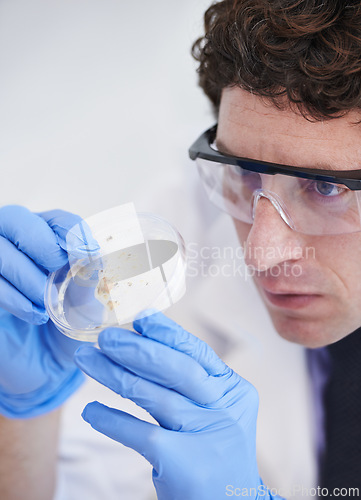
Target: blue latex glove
(205, 444)
(37, 372)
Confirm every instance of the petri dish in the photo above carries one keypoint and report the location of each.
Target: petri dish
(140, 267)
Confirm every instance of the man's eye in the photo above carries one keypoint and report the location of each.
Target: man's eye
(326, 188)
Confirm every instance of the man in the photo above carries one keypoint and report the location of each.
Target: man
(284, 80)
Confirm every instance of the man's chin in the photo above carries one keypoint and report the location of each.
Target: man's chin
(308, 332)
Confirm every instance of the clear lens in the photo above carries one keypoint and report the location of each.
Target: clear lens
(140, 267)
(308, 206)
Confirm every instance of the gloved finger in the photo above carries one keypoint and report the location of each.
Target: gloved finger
(63, 344)
(17, 304)
(160, 364)
(19, 270)
(132, 432)
(162, 329)
(171, 410)
(74, 234)
(32, 235)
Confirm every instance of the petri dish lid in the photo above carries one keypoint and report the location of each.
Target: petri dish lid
(140, 267)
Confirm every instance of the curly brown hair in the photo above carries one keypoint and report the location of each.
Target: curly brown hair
(308, 51)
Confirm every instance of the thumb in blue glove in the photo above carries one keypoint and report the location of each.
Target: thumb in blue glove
(205, 444)
(37, 372)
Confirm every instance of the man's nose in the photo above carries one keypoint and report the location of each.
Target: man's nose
(271, 241)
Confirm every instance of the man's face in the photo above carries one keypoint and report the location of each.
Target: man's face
(310, 284)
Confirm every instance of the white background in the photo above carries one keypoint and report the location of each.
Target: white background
(98, 99)
(98, 103)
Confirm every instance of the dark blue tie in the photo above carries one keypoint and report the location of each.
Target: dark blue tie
(341, 465)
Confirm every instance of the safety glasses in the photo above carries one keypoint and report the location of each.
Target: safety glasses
(310, 201)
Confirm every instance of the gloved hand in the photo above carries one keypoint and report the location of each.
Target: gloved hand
(205, 444)
(37, 372)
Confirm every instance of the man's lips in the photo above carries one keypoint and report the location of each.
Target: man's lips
(289, 300)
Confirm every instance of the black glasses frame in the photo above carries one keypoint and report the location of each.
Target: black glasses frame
(202, 148)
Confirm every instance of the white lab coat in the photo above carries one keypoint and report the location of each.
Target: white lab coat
(227, 313)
